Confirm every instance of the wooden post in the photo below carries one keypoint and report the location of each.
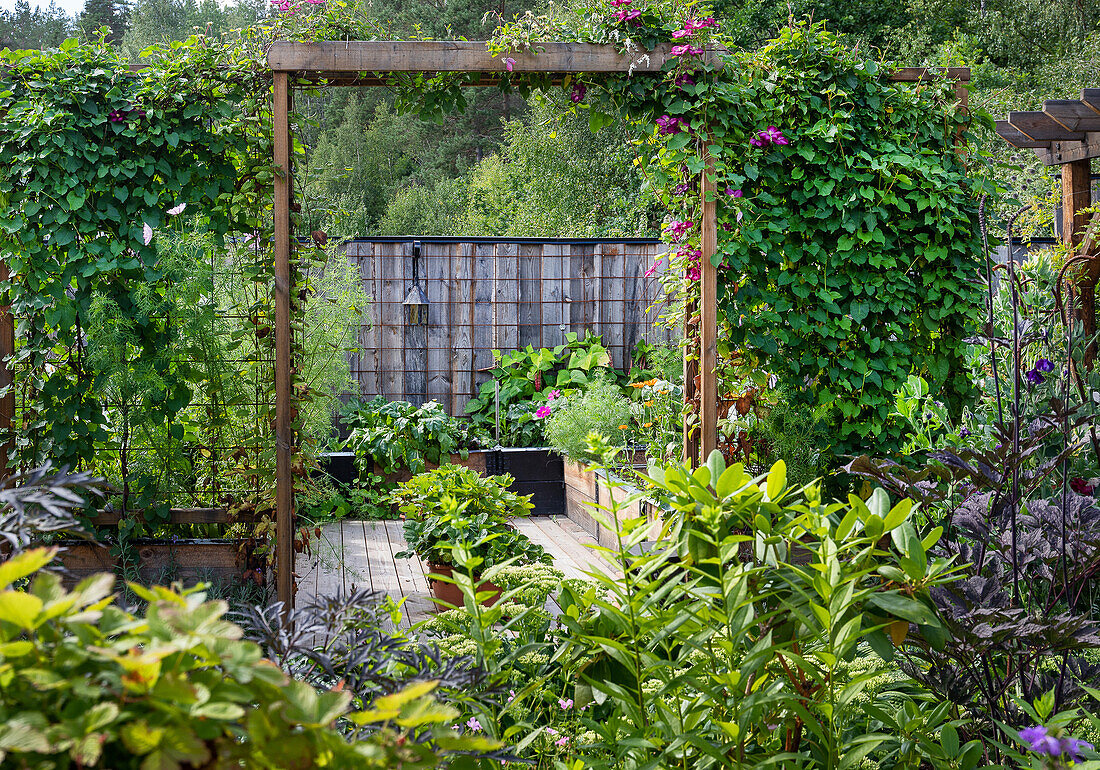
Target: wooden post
(1077, 195)
(284, 481)
(7, 402)
(708, 314)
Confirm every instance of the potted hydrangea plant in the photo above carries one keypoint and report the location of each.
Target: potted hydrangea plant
(451, 505)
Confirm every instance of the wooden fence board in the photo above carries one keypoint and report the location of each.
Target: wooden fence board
(391, 319)
(554, 316)
(530, 297)
(504, 294)
(439, 284)
(484, 254)
(611, 317)
(462, 316)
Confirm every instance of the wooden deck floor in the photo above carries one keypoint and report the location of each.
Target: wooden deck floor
(361, 554)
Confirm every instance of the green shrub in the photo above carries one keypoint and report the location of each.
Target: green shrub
(602, 408)
(453, 505)
(84, 682)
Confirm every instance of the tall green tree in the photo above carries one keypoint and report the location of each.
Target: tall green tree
(22, 27)
(103, 13)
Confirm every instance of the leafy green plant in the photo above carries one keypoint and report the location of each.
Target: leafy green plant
(85, 682)
(724, 644)
(528, 378)
(453, 505)
(396, 435)
(601, 408)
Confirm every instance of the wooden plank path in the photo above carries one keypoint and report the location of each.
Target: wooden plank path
(362, 554)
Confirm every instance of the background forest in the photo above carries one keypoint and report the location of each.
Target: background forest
(509, 166)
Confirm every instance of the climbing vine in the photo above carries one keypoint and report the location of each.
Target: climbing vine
(847, 241)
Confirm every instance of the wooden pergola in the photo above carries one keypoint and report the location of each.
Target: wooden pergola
(1066, 133)
(367, 63)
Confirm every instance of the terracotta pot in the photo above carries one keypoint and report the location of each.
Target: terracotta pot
(452, 594)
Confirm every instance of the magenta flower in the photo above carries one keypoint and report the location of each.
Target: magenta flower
(579, 90)
(668, 125)
(543, 411)
(771, 135)
(555, 393)
(619, 3)
(677, 229)
(115, 116)
(685, 80)
(733, 193)
(631, 16)
(653, 268)
(509, 63)
(686, 50)
(693, 257)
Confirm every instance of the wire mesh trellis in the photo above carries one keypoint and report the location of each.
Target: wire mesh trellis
(183, 379)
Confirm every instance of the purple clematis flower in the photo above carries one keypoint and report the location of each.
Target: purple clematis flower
(579, 90)
(1033, 377)
(669, 125)
(1044, 365)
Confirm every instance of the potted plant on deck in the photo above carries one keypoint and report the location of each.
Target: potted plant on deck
(451, 505)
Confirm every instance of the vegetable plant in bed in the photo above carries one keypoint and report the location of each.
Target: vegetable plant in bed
(452, 505)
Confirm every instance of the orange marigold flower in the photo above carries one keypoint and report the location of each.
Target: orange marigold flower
(648, 403)
(624, 427)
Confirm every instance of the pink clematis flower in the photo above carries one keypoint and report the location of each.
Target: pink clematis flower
(175, 210)
(147, 234)
(686, 50)
(677, 229)
(653, 268)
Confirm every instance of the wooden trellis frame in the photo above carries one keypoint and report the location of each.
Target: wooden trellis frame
(365, 63)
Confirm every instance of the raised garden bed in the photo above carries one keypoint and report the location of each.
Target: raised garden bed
(538, 472)
(160, 561)
(584, 488)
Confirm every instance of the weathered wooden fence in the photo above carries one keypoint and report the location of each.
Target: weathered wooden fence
(488, 293)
